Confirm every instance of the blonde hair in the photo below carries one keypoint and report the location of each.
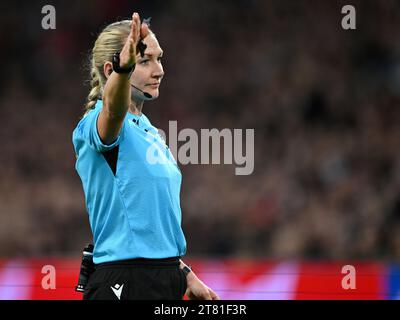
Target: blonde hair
(110, 40)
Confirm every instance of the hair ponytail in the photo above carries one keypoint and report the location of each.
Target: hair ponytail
(95, 91)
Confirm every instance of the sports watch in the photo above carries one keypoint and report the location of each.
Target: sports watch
(186, 270)
(116, 66)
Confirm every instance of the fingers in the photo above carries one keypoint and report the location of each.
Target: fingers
(134, 35)
(135, 28)
(131, 46)
(138, 30)
(213, 295)
(207, 295)
(200, 294)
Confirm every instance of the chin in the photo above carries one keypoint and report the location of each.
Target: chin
(154, 94)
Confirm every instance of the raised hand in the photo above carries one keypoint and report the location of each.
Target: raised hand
(138, 32)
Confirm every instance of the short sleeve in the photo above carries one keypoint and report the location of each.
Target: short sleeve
(87, 129)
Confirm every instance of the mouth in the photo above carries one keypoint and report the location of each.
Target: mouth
(153, 85)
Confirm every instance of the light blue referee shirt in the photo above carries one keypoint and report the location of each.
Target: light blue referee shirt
(132, 190)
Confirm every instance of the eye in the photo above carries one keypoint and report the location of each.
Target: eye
(144, 62)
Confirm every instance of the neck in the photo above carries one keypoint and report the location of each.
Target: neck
(136, 107)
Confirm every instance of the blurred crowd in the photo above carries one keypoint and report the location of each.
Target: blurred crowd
(323, 101)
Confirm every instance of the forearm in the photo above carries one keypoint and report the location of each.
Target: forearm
(117, 95)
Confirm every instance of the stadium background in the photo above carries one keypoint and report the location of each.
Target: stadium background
(324, 103)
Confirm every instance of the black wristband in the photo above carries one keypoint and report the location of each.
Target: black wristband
(117, 68)
(186, 270)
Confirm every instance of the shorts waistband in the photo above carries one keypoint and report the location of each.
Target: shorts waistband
(174, 261)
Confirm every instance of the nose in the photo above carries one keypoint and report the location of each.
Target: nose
(158, 72)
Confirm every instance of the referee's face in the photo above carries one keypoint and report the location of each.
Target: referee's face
(148, 71)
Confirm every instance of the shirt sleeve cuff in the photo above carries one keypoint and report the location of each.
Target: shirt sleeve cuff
(100, 145)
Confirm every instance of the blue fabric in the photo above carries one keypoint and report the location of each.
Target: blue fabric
(136, 213)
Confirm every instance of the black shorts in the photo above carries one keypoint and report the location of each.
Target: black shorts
(137, 279)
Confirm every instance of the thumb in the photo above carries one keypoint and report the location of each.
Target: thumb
(144, 31)
(214, 296)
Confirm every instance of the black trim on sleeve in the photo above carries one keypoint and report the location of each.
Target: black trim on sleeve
(111, 157)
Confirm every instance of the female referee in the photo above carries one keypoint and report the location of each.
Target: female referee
(133, 204)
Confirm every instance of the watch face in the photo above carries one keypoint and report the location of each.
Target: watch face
(186, 270)
(116, 59)
(117, 68)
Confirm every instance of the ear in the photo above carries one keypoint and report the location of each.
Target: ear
(107, 69)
